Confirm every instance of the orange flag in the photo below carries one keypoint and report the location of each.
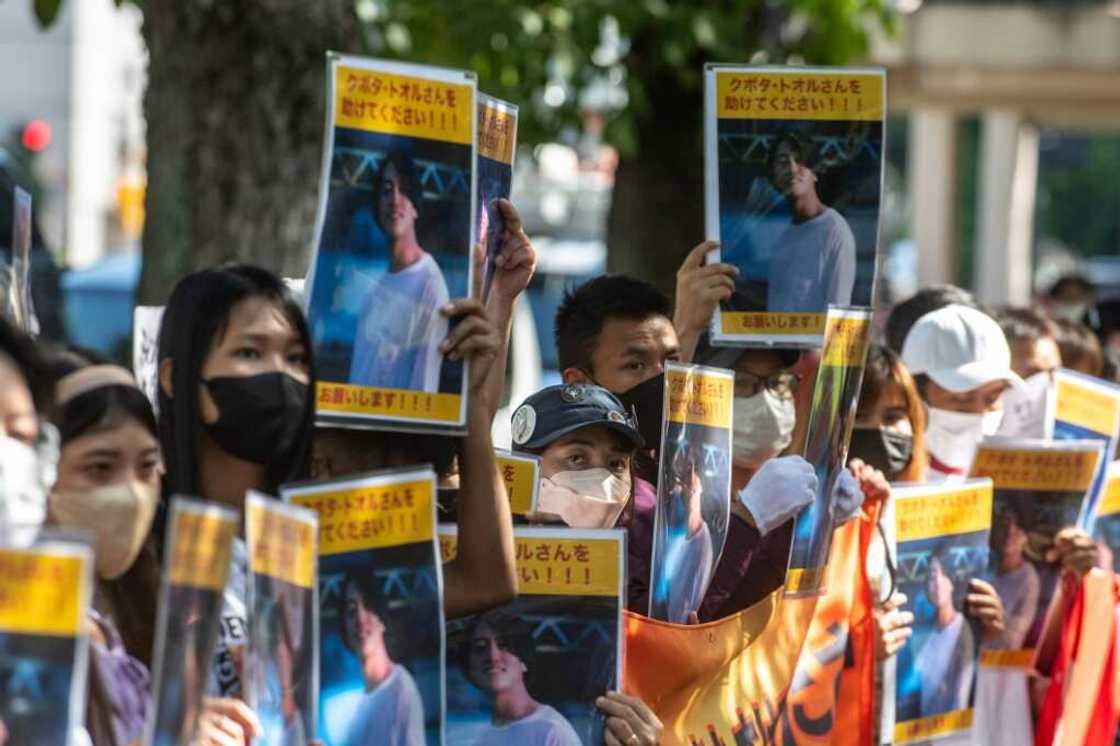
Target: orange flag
(769, 674)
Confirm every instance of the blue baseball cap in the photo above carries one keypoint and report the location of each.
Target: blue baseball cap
(556, 411)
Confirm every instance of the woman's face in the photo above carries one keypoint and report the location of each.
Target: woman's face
(125, 452)
(586, 448)
(1015, 541)
(492, 667)
(258, 339)
(888, 412)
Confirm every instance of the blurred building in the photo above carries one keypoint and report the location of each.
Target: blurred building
(1020, 68)
(83, 77)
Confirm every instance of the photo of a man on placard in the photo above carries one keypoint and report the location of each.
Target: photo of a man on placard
(814, 259)
(396, 344)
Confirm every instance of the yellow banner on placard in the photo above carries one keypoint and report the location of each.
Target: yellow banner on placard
(790, 324)
(41, 594)
(846, 341)
(403, 105)
(201, 550)
(1007, 658)
(559, 566)
(497, 129)
(945, 513)
(1110, 500)
(933, 726)
(1047, 470)
(1085, 406)
(422, 406)
(520, 477)
(699, 398)
(805, 579)
(371, 517)
(281, 546)
(757, 94)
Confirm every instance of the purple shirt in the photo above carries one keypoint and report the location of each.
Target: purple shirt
(639, 545)
(750, 568)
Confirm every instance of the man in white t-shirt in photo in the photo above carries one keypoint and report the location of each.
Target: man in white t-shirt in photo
(499, 658)
(390, 712)
(396, 343)
(813, 262)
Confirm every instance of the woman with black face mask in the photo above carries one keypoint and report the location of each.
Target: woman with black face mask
(890, 419)
(235, 410)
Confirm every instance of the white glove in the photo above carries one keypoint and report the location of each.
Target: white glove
(847, 498)
(781, 488)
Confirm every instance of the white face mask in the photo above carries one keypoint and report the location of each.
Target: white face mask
(591, 498)
(952, 437)
(762, 428)
(119, 516)
(1024, 409)
(25, 474)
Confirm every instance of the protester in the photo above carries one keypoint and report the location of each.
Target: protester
(927, 300)
(962, 365)
(28, 452)
(108, 484)
(1033, 339)
(586, 442)
(235, 410)
(890, 419)
(1070, 297)
(615, 331)
(1080, 348)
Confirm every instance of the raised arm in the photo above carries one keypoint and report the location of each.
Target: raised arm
(513, 269)
(483, 573)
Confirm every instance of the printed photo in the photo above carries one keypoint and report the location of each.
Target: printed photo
(394, 248)
(1023, 526)
(381, 647)
(528, 673)
(282, 630)
(182, 661)
(936, 669)
(799, 212)
(36, 676)
(692, 516)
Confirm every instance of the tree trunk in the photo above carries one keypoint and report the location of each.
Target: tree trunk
(657, 209)
(235, 112)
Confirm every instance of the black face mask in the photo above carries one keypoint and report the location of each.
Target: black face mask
(647, 402)
(259, 417)
(889, 452)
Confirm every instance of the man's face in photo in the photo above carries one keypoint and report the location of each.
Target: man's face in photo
(395, 212)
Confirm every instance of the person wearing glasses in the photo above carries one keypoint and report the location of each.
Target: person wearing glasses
(500, 659)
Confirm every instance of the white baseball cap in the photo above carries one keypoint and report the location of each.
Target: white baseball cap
(960, 348)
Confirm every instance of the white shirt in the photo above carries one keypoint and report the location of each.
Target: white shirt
(946, 664)
(814, 264)
(1019, 591)
(400, 329)
(543, 727)
(390, 715)
(233, 632)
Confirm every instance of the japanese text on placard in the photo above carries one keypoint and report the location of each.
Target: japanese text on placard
(746, 94)
(1036, 470)
(699, 398)
(401, 104)
(370, 517)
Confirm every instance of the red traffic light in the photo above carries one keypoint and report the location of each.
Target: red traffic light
(36, 135)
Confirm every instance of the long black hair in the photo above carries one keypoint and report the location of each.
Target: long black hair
(196, 315)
